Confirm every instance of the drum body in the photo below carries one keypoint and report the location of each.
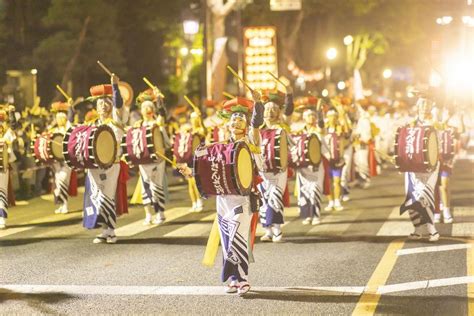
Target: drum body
(90, 147)
(140, 145)
(275, 149)
(336, 150)
(184, 146)
(4, 156)
(306, 151)
(224, 169)
(48, 148)
(448, 145)
(416, 149)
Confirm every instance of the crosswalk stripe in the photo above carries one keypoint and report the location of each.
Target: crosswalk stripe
(331, 223)
(172, 290)
(416, 250)
(197, 229)
(410, 286)
(462, 228)
(137, 227)
(396, 224)
(14, 230)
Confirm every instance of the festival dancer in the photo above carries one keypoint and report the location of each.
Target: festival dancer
(420, 186)
(274, 184)
(153, 175)
(310, 179)
(336, 137)
(62, 172)
(234, 212)
(101, 195)
(7, 136)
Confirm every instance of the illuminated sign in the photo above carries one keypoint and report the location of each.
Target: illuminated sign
(260, 57)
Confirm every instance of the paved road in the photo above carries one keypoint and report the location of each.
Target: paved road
(357, 261)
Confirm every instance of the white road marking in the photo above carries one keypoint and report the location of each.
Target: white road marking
(409, 286)
(15, 230)
(396, 224)
(197, 229)
(410, 251)
(137, 227)
(219, 290)
(331, 223)
(167, 290)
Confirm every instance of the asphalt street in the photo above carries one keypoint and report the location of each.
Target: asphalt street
(357, 261)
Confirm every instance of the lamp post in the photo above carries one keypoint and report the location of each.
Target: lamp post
(331, 54)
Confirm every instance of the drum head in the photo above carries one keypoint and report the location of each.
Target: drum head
(196, 142)
(432, 149)
(158, 141)
(105, 147)
(57, 146)
(244, 168)
(283, 150)
(314, 150)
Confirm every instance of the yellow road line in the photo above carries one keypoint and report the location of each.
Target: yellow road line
(470, 272)
(369, 299)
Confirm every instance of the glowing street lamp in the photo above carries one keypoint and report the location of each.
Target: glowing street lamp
(387, 73)
(341, 85)
(190, 27)
(331, 53)
(348, 39)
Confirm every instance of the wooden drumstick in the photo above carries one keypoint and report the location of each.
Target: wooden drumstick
(238, 77)
(68, 98)
(195, 108)
(276, 78)
(104, 68)
(228, 95)
(173, 164)
(387, 157)
(152, 86)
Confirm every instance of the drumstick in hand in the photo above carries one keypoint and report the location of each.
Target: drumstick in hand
(238, 77)
(167, 160)
(195, 108)
(387, 157)
(104, 68)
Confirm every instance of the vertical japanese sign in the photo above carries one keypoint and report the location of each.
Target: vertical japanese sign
(260, 57)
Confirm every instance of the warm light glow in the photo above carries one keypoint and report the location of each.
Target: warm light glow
(300, 80)
(325, 93)
(348, 39)
(341, 85)
(331, 53)
(197, 51)
(435, 79)
(458, 73)
(34, 71)
(444, 20)
(468, 20)
(184, 51)
(387, 73)
(190, 27)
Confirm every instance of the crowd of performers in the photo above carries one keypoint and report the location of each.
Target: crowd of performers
(243, 151)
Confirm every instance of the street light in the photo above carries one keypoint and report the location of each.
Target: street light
(387, 73)
(190, 27)
(341, 85)
(331, 53)
(348, 39)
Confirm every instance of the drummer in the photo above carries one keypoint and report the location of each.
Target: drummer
(274, 184)
(62, 172)
(194, 127)
(215, 125)
(420, 186)
(311, 179)
(334, 127)
(100, 196)
(7, 135)
(235, 211)
(153, 176)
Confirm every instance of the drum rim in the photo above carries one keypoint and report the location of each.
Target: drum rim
(426, 155)
(52, 137)
(240, 145)
(98, 128)
(4, 163)
(308, 138)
